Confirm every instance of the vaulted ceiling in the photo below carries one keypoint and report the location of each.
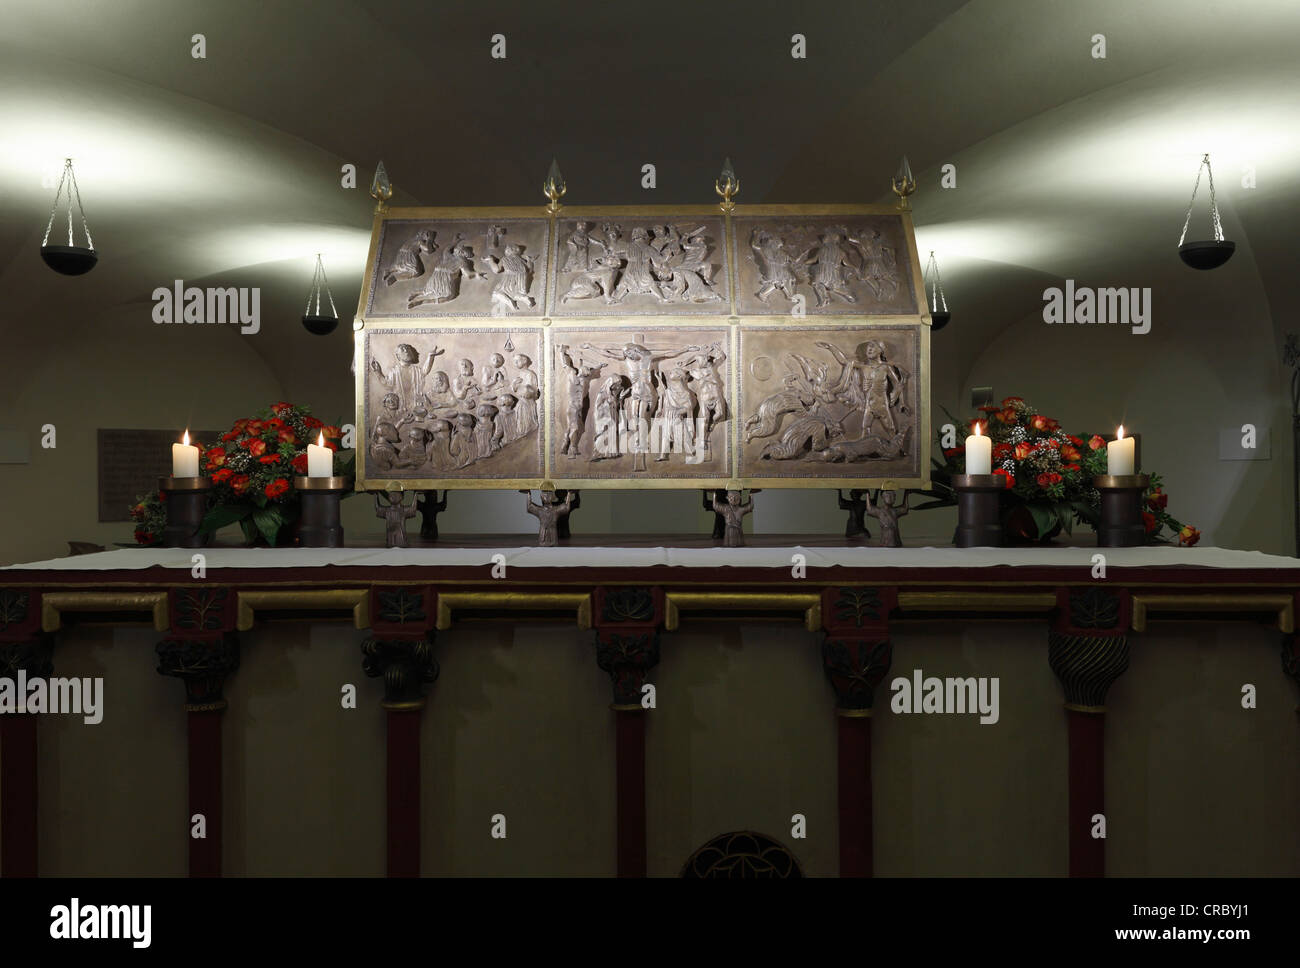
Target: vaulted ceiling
(227, 168)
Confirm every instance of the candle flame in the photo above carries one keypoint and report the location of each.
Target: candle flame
(186, 439)
(1119, 434)
(977, 429)
(320, 441)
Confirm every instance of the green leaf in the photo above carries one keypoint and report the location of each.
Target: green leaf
(1044, 516)
(249, 529)
(268, 522)
(223, 515)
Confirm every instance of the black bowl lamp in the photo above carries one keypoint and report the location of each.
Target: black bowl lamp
(1208, 253)
(70, 259)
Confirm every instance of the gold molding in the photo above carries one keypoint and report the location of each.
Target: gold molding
(580, 602)
(853, 713)
(977, 601)
(1283, 605)
(356, 599)
(1075, 707)
(403, 707)
(53, 604)
(676, 601)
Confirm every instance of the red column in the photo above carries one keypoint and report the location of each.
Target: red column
(1087, 793)
(205, 788)
(403, 791)
(1088, 651)
(18, 827)
(629, 768)
(856, 859)
(627, 647)
(856, 655)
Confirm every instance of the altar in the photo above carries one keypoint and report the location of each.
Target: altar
(765, 691)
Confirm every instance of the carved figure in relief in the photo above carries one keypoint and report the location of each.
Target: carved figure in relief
(808, 431)
(516, 271)
(439, 395)
(579, 244)
(832, 268)
(457, 262)
(463, 447)
(689, 279)
(407, 264)
(439, 447)
(806, 388)
(493, 377)
(548, 515)
(864, 447)
(576, 378)
(598, 281)
(708, 388)
(414, 452)
(492, 238)
(776, 270)
(870, 383)
(610, 422)
(525, 388)
(667, 241)
(733, 515)
(638, 273)
(642, 399)
(406, 378)
(879, 265)
(507, 417)
(674, 418)
(888, 516)
(464, 387)
(487, 437)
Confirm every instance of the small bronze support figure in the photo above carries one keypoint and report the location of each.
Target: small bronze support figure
(719, 522)
(856, 505)
(562, 526)
(394, 510)
(548, 514)
(733, 513)
(888, 516)
(430, 506)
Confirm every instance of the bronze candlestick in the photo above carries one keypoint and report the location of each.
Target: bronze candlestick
(187, 503)
(979, 510)
(318, 521)
(1121, 510)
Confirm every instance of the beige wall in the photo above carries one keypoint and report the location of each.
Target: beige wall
(743, 737)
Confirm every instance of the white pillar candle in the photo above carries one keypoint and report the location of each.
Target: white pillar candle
(1120, 455)
(979, 453)
(320, 459)
(185, 458)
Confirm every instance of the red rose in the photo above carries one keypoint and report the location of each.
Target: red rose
(1096, 443)
(256, 446)
(1072, 467)
(1077, 441)
(270, 459)
(276, 487)
(1188, 536)
(299, 463)
(1157, 500)
(1070, 452)
(329, 430)
(1048, 478)
(280, 408)
(142, 537)
(1023, 450)
(286, 435)
(239, 483)
(224, 474)
(1051, 442)
(216, 457)
(230, 435)
(253, 427)
(273, 423)
(1012, 400)
(312, 422)
(1007, 416)
(1011, 481)
(1149, 522)
(1038, 422)
(1001, 451)
(240, 425)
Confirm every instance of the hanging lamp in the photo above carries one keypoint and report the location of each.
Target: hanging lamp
(1212, 253)
(938, 302)
(70, 259)
(316, 322)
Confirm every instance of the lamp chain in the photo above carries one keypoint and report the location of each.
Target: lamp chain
(1214, 204)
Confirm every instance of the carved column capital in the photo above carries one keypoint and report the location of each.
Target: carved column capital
(627, 623)
(406, 665)
(202, 664)
(1088, 644)
(856, 650)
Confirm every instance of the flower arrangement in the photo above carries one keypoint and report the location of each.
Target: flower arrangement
(252, 467)
(1048, 475)
(150, 516)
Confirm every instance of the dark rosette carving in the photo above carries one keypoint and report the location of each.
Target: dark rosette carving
(857, 605)
(202, 664)
(400, 606)
(743, 854)
(201, 609)
(627, 658)
(628, 605)
(855, 667)
(1094, 608)
(406, 666)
